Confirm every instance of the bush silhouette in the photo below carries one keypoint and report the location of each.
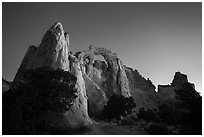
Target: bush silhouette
(168, 113)
(190, 101)
(148, 115)
(118, 106)
(42, 90)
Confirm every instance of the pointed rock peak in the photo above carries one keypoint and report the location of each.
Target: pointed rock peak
(57, 28)
(53, 51)
(179, 79)
(56, 31)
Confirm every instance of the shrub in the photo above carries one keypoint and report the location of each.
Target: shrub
(42, 90)
(118, 106)
(169, 114)
(190, 101)
(148, 115)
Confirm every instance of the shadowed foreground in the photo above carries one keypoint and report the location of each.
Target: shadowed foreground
(102, 128)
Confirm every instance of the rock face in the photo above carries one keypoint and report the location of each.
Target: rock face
(103, 79)
(117, 79)
(78, 113)
(137, 81)
(111, 77)
(142, 90)
(167, 92)
(179, 79)
(96, 97)
(53, 52)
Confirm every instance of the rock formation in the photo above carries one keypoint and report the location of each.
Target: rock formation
(78, 113)
(139, 82)
(53, 52)
(97, 80)
(117, 80)
(103, 79)
(167, 92)
(179, 79)
(111, 77)
(142, 90)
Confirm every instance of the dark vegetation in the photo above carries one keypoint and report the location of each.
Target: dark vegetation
(118, 106)
(190, 101)
(41, 91)
(148, 115)
(168, 113)
(183, 113)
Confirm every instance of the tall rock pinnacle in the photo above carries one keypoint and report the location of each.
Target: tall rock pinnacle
(52, 51)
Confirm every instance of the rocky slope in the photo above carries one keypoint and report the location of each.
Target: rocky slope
(142, 90)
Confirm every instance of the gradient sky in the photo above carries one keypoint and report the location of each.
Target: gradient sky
(157, 39)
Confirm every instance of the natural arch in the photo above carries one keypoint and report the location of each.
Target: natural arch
(117, 82)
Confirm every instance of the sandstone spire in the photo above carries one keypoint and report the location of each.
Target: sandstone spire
(52, 51)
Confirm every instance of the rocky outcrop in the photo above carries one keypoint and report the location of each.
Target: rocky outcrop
(96, 97)
(103, 78)
(78, 114)
(53, 52)
(117, 82)
(179, 79)
(142, 90)
(137, 81)
(167, 92)
(113, 78)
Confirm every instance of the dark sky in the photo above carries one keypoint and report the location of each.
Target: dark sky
(157, 39)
